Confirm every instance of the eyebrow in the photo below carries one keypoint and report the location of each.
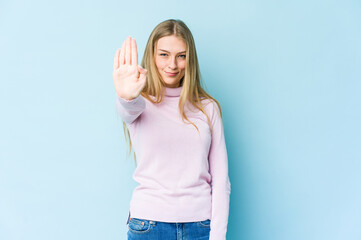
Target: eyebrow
(168, 51)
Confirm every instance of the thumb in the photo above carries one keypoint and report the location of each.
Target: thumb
(142, 70)
(142, 78)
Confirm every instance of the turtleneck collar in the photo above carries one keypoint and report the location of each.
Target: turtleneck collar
(173, 92)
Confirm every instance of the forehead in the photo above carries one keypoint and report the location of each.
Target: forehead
(171, 44)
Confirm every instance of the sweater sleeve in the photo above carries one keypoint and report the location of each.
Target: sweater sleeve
(221, 186)
(129, 110)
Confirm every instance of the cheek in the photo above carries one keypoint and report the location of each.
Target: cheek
(182, 65)
(158, 62)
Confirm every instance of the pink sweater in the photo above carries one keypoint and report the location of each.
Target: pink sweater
(182, 176)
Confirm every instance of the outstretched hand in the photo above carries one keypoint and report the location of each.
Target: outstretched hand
(129, 78)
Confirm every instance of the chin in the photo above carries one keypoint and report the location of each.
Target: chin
(172, 83)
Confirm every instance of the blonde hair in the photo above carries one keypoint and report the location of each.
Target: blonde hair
(192, 90)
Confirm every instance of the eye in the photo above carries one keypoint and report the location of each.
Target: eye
(163, 54)
(182, 56)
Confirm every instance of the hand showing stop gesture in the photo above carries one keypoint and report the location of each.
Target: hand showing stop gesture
(129, 78)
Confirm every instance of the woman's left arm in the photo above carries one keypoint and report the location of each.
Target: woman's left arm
(221, 186)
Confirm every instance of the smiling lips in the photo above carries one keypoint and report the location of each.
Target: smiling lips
(171, 74)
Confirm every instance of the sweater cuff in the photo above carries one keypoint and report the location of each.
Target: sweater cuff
(126, 100)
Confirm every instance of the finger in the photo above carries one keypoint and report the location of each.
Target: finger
(116, 59)
(127, 52)
(142, 78)
(142, 70)
(134, 53)
(122, 54)
(142, 74)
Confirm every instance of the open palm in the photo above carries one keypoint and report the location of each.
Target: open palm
(129, 78)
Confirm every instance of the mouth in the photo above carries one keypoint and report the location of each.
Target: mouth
(171, 74)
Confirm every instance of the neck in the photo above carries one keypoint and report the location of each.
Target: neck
(172, 92)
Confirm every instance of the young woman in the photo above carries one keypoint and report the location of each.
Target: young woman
(178, 136)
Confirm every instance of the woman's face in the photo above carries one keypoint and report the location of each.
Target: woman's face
(170, 59)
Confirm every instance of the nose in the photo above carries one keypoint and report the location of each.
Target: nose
(173, 63)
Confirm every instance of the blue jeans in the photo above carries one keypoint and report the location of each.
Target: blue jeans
(142, 229)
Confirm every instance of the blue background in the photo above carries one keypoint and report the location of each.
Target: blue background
(287, 75)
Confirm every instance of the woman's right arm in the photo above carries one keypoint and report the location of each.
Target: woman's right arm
(129, 110)
(129, 80)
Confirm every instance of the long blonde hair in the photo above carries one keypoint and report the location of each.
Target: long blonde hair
(192, 90)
